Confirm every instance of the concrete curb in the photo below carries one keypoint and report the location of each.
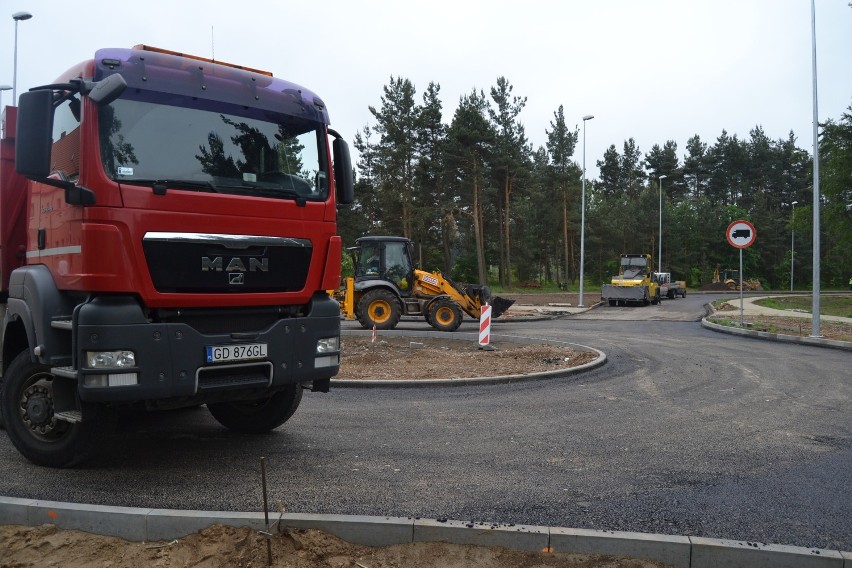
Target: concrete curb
(802, 340)
(143, 524)
(468, 381)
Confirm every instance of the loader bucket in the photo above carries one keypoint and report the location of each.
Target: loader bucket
(499, 306)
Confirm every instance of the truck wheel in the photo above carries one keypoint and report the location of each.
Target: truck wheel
(27, 405)
(379, 308)
(258, 416)
(445, 315)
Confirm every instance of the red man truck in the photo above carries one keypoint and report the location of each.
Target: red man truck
(167, 237)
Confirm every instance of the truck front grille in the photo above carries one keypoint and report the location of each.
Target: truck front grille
(215, 263)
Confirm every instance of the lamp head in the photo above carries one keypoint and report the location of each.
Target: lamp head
(588, 117)
(20, 16)
(795, 203)
(664, 176)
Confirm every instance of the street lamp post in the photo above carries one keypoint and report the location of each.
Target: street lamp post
(792, 242)
(660, 250)
(18, 17)
(583, 214)
(3, 88)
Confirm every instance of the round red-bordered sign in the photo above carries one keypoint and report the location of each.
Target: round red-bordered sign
(741, 234)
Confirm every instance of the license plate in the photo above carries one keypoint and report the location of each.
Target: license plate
(235, 352)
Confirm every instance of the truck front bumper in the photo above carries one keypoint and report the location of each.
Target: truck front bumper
(171, 360)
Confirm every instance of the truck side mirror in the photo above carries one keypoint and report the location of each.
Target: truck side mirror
(106, 91)
(34, 134)
(343, 177)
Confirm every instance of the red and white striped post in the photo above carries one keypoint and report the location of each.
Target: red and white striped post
(484, 325)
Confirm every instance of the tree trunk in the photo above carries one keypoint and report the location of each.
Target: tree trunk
(477, 226)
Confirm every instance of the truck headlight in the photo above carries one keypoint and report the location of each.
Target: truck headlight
(110, 359)
(328, 345)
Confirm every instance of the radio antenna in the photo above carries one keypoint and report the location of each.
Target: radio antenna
(212, 45)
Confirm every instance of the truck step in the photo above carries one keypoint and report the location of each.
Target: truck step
(72, 416)
(66, 372)
(61, 324)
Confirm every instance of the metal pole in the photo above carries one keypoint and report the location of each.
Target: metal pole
(17, 16)
(660, 252)
(583, 214)
(792, 243)
(815, 331)
(15, 69)
(741, 289)
(3, 88)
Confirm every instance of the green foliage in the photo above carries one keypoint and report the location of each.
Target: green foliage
(347, 265)
(480, 202)
(465, 270)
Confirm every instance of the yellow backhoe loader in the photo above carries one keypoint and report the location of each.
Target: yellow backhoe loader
(731, 279)
(386, 287)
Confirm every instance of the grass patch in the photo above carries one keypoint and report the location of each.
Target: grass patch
(833, 305)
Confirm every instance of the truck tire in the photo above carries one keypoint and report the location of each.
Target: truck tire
(379, 308)
(445, 315)
(27, 406)
(258, 416)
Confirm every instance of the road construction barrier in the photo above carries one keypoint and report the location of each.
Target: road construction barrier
(484, 325)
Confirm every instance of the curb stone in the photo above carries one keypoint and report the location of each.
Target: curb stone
(144, 524)
(802, 340)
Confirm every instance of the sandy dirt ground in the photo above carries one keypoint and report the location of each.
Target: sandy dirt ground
(393, 358)
(227, 547)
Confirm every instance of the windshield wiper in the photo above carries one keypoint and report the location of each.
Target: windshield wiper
(161, 185)
(262, 191)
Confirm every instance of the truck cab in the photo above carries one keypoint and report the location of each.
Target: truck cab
(169, 229)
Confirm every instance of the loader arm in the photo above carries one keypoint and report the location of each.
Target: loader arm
(433, 284)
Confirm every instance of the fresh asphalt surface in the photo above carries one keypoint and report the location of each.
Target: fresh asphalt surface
(683, 431)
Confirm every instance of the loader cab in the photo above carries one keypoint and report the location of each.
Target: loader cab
(385, 258)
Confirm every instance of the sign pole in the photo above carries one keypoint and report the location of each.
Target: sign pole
(741, 288)
(741, 234)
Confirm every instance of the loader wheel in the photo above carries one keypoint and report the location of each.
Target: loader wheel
(445, 315)
(379, 308)
(28, 413)
(258, 416)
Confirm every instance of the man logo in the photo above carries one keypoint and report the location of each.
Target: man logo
(235, 264)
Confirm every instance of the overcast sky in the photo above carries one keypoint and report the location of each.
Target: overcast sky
(655, 70)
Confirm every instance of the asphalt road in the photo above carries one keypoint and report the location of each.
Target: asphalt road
(683, 431)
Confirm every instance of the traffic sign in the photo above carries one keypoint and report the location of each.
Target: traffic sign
(741, 234)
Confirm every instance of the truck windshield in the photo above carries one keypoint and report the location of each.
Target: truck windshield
(633, 266)
(216, 149)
